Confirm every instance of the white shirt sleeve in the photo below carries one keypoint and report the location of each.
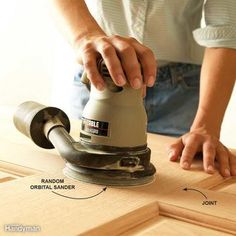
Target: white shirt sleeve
(220, 28)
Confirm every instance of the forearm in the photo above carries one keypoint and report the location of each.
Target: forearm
(74, 19)
(217, 81)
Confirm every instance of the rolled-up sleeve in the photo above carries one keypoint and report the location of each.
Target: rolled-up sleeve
(220, 24)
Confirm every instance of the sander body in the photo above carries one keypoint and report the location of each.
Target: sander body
(112, 149)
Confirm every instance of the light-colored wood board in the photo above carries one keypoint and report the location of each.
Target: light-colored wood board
(92, 216)
(163, 225)
(187, 206)
(111, 212)
(169, 177)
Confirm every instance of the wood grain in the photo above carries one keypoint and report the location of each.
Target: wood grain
(110, 213)
(187, 206)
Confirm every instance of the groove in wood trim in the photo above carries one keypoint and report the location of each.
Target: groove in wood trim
(197, 218)
(227, 182)
(17, 170)
(210, 182)
(6, 179)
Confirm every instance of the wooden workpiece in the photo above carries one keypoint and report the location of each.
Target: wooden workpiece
(160, 208)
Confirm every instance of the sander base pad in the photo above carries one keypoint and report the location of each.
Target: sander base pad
(109, 177)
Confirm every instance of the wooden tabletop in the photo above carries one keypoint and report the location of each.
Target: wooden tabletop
(208, 207)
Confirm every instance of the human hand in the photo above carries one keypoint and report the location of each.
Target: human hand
(200, 140)
(123, 58)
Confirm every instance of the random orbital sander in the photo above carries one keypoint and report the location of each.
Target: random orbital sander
(112, 149)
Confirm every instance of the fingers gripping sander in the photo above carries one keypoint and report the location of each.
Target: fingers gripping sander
(112, 149)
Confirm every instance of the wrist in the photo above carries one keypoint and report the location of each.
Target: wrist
(205, 129)
(85, 37)
(206, 122)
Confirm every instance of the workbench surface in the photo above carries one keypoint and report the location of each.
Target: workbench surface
(160, 208)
